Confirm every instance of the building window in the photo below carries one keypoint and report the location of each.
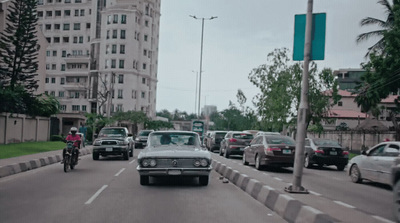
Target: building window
(61, 94)
(67, 13)
(123, 34)
(144, 52)
(119, 107)
(47, 53)
(75, 39)
(48, 26)
(63, 107)
(40, 14)
(76, 12)
(121, 63)
(81, 39)
(62, 68)
(123, 19)
(47, 80)
(66, 26)
(115, 34)
(67, 1)
(40, 2)
(57, 13)
(77, 26)
(143, 94)
(83, 107)
(340, 103)
(87, 25)
(120, 93)
(133, 94)
(145, 38)
(53, 80)
(62, 80)
(75, 107)
(66, 39)
(64, 53)
(115, 18)
(121, 79)
(53, 67)
(114, 49)
(76, 94)
(122, 49)
(113, 63)
(49, 13)
(143, 80)
(54, 53)
(108, 34)
(82, 12)
(144, 66)
(57, 26)
(146, 23)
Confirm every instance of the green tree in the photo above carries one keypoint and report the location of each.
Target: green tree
(384, 25)
(158, 125)
(19, 46)
(280, 84)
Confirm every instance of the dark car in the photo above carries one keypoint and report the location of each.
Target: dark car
(234, 143)
(113, 141)
(270, 150)
(141, 139)
(325, 152)
(214, 143)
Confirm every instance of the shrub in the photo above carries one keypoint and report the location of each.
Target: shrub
(56, 138)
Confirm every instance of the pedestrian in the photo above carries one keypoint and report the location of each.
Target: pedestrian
(83, 130)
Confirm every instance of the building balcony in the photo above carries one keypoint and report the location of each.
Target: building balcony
(77, 59)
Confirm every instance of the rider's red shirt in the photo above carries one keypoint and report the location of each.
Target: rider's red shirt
(75, 137)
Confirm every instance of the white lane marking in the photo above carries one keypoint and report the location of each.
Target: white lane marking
(315, 193)
(96, 194)
(132, 161)
(382, 219)
(344, 204)
(119, 172)
(277, 178)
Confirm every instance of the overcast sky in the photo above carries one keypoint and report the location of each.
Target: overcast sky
(240, 39)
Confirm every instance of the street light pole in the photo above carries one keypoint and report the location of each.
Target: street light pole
(201, 57)
(195, 93)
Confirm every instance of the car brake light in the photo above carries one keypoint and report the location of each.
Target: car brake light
(319, 151)
(271, 150)
(345, 153)
(232, 140)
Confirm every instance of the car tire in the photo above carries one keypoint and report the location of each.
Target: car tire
(203, 180)
(258, 162)
(226, 154)
(131, 153)
(144, 180)
(244, 160)
(220, 152)
(340, 167)
(307, 163)
(126, 155)
(95, 156)
(396, 200)
(355, 174)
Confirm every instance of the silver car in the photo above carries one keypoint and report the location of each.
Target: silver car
(174, 153)
(374, 164)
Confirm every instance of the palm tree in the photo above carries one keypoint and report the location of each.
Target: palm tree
(379, 46)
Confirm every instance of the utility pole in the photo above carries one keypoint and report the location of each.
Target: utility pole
(109, 98)
(303, 110)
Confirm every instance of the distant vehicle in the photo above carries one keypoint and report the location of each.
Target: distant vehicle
(113, 141)
(141, 139)
(234, 143)
(214, 143)
(325, 152)
(267, 133)
(174, 153)
(253, 132)
(375, 164)
(270, 150)
(207, 138)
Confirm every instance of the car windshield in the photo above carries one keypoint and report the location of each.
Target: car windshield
(144, 133)
(112, 132)
(280, 140)
(173, 138)
(220, 135)
(243, 136)
(325, 142)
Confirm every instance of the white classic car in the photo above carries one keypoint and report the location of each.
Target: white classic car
(174, 153)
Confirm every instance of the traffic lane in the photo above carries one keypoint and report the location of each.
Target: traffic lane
(175, 200)
(370, 198)
(48, 194)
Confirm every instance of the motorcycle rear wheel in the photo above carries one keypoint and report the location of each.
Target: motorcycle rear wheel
(67, 160)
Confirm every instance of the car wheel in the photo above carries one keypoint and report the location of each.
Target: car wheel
(95, 156)
(307, 163)
(396, 200)
(126, 155)
(226, 154)
(355, 174)
(220, 152)
(203, 180)
(131, 153)
(144, 180)
(258, 162)
(244, 160)
(340, 167)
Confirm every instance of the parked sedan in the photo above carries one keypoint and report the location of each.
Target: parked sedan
(270, 150)
(375, 164)
(325, 152)
(174, 153)
(234, 143)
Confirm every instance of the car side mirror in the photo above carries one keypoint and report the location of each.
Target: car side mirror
(130, 134)
(364, 152)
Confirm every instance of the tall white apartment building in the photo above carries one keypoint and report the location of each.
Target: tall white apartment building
(100, 46)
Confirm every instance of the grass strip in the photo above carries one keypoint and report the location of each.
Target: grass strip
(26, 148)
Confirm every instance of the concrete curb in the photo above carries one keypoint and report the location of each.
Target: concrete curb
(284, 205)
(34, 164)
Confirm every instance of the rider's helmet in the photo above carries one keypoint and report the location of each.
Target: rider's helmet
(73, 130)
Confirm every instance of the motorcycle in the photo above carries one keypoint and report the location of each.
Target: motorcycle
(70, 157)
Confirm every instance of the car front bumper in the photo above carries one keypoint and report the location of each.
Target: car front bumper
(281, 161)
(329, 160)
(174, 171)
(110, 150)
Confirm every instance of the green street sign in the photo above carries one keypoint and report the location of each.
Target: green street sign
(317, 37)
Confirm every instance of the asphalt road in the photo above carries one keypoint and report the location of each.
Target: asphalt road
(109, 191)
(371, 198)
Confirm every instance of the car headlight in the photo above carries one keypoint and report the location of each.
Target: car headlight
(137, 139)
(97, 143)
(145, 163)
(149, 162)
(122, 143)
(153, 163)
(204, 162)
(196, 163)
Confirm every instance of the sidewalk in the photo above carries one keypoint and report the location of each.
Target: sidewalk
(19, 164)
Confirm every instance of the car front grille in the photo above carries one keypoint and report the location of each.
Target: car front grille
(106, 143)
(175, 163)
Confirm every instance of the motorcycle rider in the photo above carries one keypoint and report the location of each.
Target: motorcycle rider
(77, 141)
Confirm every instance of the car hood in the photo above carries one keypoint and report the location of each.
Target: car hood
(174, 151)
(111, 138)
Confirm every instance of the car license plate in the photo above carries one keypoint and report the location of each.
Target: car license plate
(287, 151)
(109, 149)
(174, 172)
(333, 153)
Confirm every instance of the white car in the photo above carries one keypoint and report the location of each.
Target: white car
(375, 164)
